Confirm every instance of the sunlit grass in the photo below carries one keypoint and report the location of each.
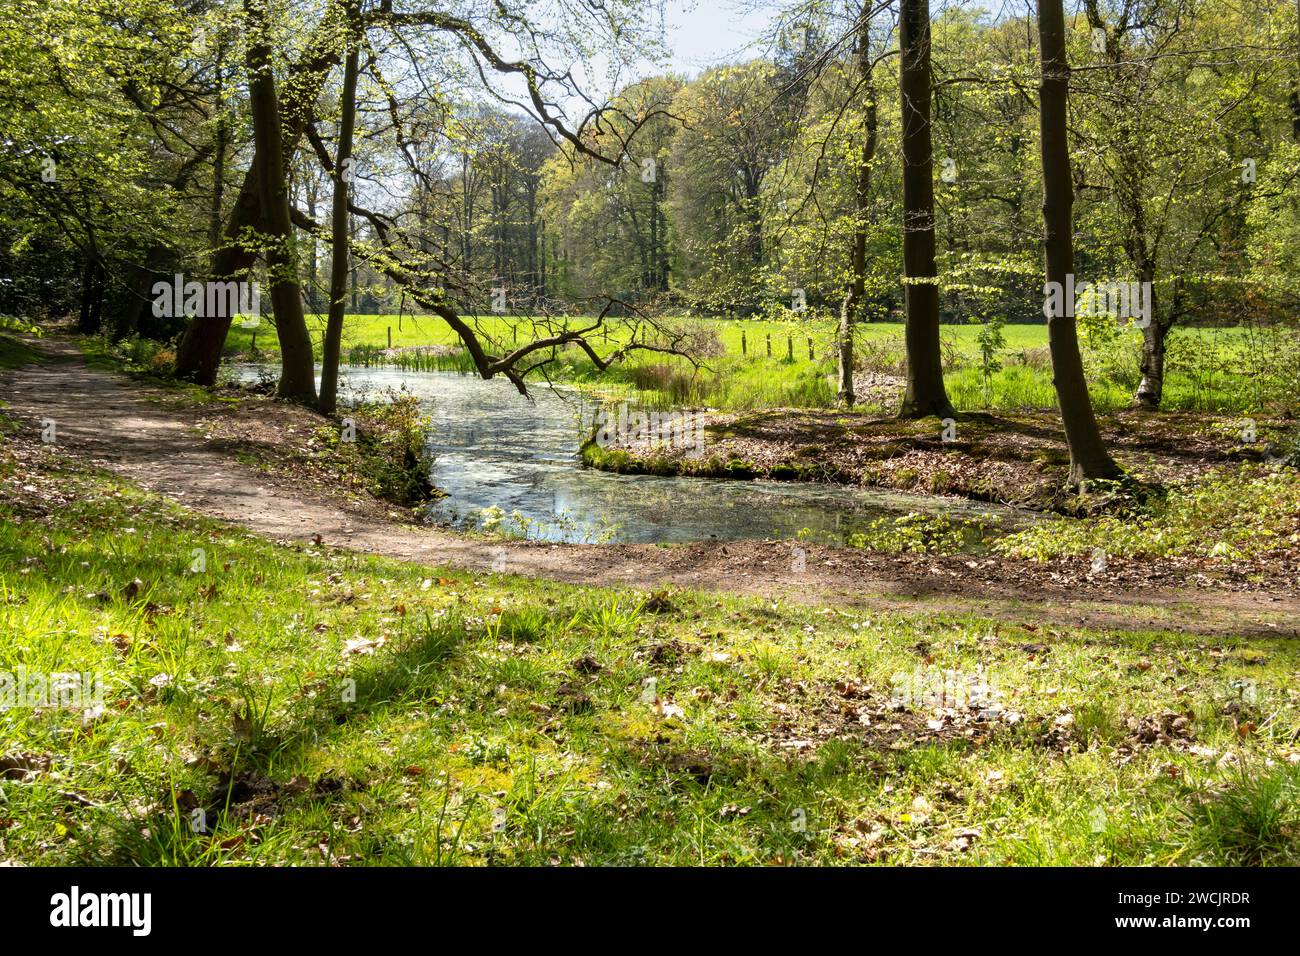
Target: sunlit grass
(1205, 373)
(322, 706)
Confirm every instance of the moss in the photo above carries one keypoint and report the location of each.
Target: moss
(904, 478)
(742, 470)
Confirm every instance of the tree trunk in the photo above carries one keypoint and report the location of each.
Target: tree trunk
(199, 354)
(353, 268)
(138, 314)
(852, 312)
(1295, 90)
(845, 360)
(297, 368)
(339, 236)
(218, 152)
(88, 320)
(1151, 390)
(313, 260)
(1089, 459)
(925, 392)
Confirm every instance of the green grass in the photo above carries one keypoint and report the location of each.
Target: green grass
(1226, 515)
(1226, 370)
(320, 705)
(14, 354)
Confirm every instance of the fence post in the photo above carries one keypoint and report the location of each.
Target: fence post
(744, 349)
(390, 336)
(789, 347)
(812, 356)
(769, 344)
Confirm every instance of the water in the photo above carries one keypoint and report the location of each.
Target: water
(495, 450)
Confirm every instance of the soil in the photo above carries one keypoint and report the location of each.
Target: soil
(112, 422)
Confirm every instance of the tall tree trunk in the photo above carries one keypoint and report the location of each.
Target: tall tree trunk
(852, 311)
(1088, 457)
(466, 213)
(661, 253)
(925, 392)
(313, 260)
(1295, 88)
(542, 274)
(353, 268)
(339, 235)
(218, 151)
(199, 354)
(297, 368)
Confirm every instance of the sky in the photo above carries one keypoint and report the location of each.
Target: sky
(699, 34)
(702, 33)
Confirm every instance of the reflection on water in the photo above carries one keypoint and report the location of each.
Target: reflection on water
(496, 450)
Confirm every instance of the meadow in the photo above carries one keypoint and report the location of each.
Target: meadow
(1228, 370)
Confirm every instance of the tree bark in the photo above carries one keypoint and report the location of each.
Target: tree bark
(219, 152)
(1151, 390)
(92, 292)
(925, 391)
(852, 312)
(845, 358)
(297, 367)
(1295, 89)
(199, 354)
(138, 313)
(1089, 459)
(339, 236)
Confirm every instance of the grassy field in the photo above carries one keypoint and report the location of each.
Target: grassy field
(1226, 370)
(307, 706)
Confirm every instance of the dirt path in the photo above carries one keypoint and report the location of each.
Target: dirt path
(108, 420)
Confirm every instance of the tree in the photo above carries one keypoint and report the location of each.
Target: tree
(297, 364)
(1089, 459)
(612, 228)
(925, 393)
(1153, 132)
(737, 131)
(855, 300)
(198, 356)
(339, 231)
